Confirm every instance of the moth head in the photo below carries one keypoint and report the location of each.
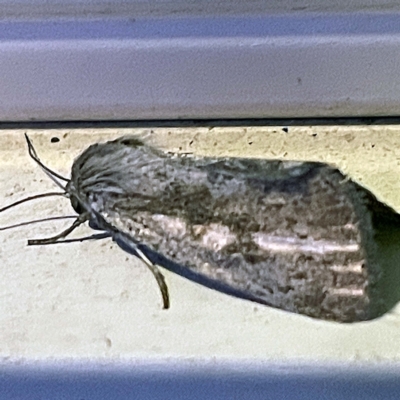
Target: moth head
(76, 204)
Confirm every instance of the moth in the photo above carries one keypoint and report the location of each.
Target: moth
(299, 236)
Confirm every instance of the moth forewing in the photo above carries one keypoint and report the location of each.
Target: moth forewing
(297, 236)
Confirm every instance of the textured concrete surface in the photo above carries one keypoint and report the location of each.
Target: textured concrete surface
(91, 300)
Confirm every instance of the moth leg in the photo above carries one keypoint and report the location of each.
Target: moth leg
(159, 277)
(79, 221)
(127, 242)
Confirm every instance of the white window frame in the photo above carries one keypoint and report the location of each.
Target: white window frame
(135, 60)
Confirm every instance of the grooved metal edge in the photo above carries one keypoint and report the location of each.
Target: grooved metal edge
(250, 66)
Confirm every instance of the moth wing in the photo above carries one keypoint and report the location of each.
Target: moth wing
(297, 236)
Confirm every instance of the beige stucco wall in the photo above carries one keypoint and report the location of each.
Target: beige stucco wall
(90, 299)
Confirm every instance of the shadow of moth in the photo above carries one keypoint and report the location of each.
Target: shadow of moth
(298, 236)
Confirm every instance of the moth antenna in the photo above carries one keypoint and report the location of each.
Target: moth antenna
(37, 196)
(35, 221)
(79, 221)
(50, 173)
